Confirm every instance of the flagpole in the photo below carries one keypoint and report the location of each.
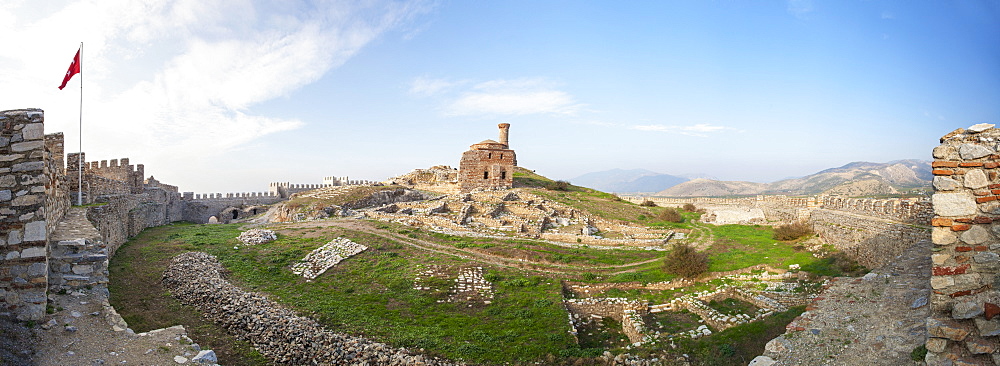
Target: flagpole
(79, 165)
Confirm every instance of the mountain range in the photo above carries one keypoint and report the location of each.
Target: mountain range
(853, 179)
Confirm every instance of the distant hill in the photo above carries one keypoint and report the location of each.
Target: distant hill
(628, 181)
(854, 179)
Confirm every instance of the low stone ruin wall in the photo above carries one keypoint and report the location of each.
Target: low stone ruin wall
(871, 241)
(276, 332)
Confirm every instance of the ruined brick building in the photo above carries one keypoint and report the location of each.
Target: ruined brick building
(488, 164)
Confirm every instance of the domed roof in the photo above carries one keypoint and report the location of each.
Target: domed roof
(488, 145)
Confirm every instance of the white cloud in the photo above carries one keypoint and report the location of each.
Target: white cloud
(178, 75)
(512, 97)
(699, 130)
(800, 8)
(425, 86)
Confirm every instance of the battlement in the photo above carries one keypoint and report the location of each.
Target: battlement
(286, 189)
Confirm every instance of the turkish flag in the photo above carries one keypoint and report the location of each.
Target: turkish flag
(74, 68)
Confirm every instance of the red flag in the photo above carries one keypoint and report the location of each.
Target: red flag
(74, 68)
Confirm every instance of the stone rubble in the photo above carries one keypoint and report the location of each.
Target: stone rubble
(326, 256)
(257, 236)
(276, 332)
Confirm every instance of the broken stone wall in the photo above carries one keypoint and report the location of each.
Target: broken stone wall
(962, 327)
(870, 240)
(23, 230)
(125, 216)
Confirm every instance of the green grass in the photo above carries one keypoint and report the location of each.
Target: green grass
(737, 345)
(740, 246)
(370, 294)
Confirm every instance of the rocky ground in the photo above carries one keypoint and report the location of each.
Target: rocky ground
(878, 319)
(85, 330)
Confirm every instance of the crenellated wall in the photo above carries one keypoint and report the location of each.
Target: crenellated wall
(963, 327)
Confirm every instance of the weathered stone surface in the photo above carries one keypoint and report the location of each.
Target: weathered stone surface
(28, 166)
(943, 236)
(26, 146)
(942, 183)
(980, 127)
(976, 178)
(33, 252)
(986, 258)
(978, 346)
(205, 356)
(939, 259)
(761, 361)
(954, 204)
(977, 234)
(34, 231)
(936, 328)
(987, 328)
(26, 200)
(945, 152)
(941, 282)
(966, 310)
(777, 345)
(936, 345)
(973, 151)
(34, 131)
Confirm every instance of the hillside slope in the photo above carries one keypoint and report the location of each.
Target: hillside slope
(853, 179)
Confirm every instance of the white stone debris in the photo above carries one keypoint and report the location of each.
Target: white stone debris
(257, 236)
(326, 256)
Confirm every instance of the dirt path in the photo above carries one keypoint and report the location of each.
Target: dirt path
(83, 328)
(544, 267)
(874, 320)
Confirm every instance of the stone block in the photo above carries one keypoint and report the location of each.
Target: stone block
(939, 259)
(26, 146)
(942, 282)
(973, 151)
(966, 310)
(987, 328)
(976, 178)
(37, 269)
(942, 183)
(28, 166)
(26, 200)
(936, 345)
(986, 258)
(943, 236)
(979, 346)
(945, 152)
(34, 231)
(14, 237)
(939, 329)
(33, 131)
(82, 269)
(980, 127)
(954, 204)
(33, 252)
(976, 234)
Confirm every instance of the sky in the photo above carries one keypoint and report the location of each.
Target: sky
(227, 96)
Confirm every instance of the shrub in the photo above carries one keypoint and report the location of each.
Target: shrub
(559, 185)
(690, 207)
(670, 215)
(685, 261)
(648, 203)
(792, 231)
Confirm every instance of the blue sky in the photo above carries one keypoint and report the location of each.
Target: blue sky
(226, 96)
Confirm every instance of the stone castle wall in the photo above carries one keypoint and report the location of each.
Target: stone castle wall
(965, 300)
(23, 222)
(870, 240)
(872, 231)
